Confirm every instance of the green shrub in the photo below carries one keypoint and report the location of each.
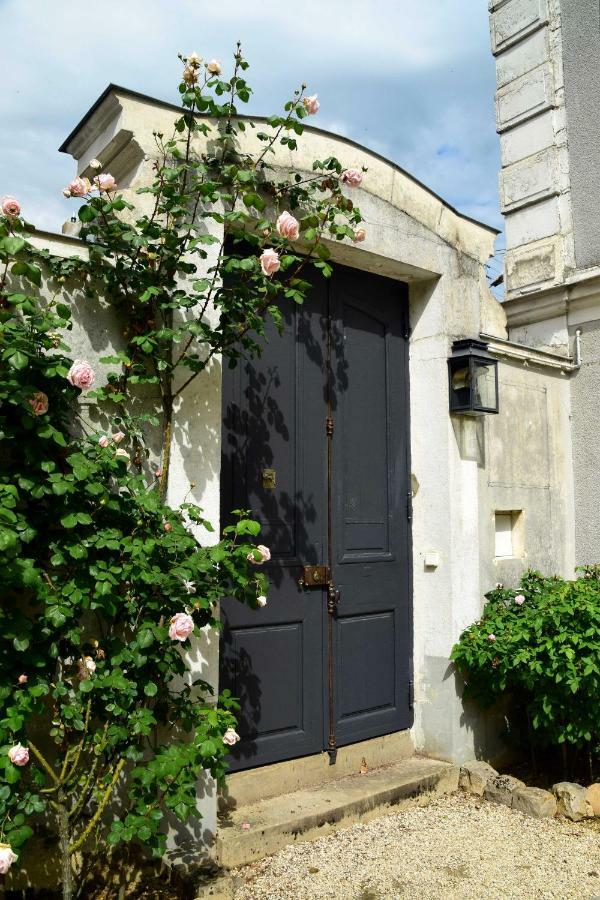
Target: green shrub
(541, 645)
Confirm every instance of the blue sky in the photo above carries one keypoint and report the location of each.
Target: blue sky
(412, 79)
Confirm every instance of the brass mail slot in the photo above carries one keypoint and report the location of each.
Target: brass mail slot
(269, 479)
(314, 576)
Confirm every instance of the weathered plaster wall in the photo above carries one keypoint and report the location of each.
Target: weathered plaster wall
(586, 445)
(581, 62)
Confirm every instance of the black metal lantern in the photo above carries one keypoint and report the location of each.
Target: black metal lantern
(473, 377)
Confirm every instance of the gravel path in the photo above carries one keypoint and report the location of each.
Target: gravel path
(457, 848)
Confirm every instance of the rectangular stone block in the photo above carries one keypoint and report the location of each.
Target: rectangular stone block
(524, 97)
(532, 265)
(531, 179)
(527, 138)
(522, 57)
(515, 20)
(532, 223)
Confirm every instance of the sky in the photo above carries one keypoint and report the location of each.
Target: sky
(411, 79)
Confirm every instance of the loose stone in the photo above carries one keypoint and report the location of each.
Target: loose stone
(534, 802)
(474, 776)
(500, 789)
(572, 801)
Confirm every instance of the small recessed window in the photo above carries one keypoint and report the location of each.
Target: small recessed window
(508, 534)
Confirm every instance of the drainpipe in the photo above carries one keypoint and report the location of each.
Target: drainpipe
(577, 354)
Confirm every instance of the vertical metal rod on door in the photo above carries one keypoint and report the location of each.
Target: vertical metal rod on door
(332, 593)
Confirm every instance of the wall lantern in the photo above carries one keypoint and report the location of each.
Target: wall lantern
(473, 377)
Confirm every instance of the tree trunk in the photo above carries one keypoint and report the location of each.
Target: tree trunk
(68, 884)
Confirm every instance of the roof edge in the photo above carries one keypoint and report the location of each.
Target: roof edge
(113, 88)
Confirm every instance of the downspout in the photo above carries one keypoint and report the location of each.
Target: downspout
(577, 353)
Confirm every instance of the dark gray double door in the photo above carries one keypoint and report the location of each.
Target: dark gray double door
(315, 442)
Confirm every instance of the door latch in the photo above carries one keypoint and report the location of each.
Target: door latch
(314, 576)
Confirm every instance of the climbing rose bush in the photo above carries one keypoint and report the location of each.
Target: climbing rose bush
(105, 587)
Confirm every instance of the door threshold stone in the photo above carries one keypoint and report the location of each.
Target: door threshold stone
(263, 827)
(264, 782)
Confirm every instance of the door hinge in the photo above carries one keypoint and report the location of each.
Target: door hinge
(329, 426)
(409, 506)
(411, 694)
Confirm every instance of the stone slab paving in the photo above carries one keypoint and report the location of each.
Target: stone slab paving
(457, 848)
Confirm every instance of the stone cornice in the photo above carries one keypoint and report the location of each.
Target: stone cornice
(578, 292)
(528, 356)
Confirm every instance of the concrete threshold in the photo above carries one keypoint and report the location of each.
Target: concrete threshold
(259, 829)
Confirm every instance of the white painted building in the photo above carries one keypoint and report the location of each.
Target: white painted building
(491, 496)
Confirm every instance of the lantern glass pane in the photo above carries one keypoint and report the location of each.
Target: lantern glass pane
(485, 387)
(461, 386)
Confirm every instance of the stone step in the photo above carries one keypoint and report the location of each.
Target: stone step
(312, 813)
(251, 785)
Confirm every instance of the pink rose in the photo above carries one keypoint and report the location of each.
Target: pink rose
(118, 437)
(353, 177)
(38, 403)
(167, 526)
(10, 207)
(19, 755)
(190, 75)
(86, 667)
(103, 442)
(311, 104)
(519, 599)
(287, 226)
(261, 601)
(105, 182)
(214, 66)
(22, 679)
(269, 261)
(181, 627)
(231, 737)
(7, 858)
(359, 235)
(265, 555)
(81, 374)
(95, 164)
(158, 473)
(491, 637)
(78, 187)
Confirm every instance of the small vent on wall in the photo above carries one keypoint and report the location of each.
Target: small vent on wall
(508, 533)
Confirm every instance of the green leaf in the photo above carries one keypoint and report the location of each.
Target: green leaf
(12, 245)
(17, 360)
(87, 214)
(150, 689)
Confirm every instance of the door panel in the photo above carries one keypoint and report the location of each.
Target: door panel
(277, 660)
(371, 538)
(274, 414)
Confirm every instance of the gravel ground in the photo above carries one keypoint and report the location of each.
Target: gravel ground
(457, 848)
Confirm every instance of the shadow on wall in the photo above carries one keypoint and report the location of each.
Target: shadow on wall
(469, 432)
(480, 733)
(196, 451)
